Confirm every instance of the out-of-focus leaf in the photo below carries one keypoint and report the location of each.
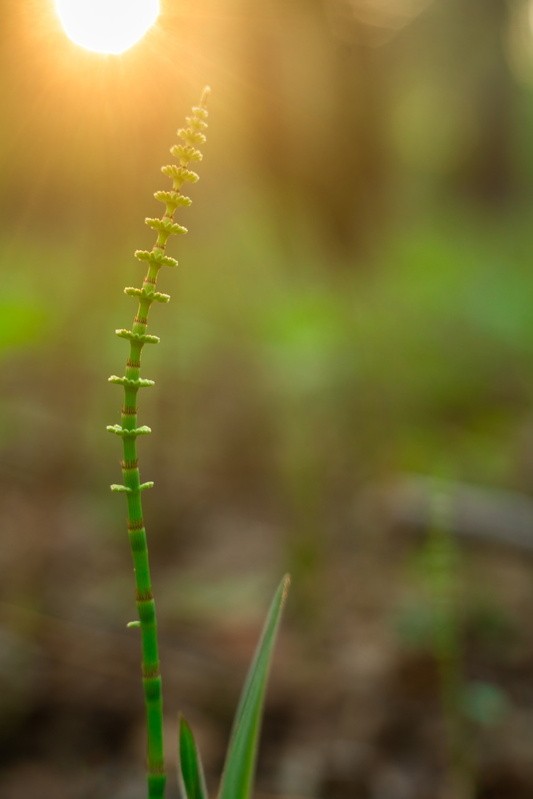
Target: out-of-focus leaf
(239, 768)
(484, 703)
(20, 323)
(191, 782)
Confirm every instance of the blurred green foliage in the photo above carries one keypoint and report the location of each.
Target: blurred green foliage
(355, 293)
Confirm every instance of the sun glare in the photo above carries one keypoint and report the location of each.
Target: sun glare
(106, 26)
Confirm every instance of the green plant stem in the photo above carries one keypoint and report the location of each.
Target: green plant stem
(146, 608)
(185, 152)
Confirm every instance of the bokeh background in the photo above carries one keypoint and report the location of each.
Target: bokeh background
(344, 391)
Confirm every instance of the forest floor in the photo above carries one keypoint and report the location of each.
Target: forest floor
(387, 683)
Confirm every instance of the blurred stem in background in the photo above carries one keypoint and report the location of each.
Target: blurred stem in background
(443, 585)
(303, 480)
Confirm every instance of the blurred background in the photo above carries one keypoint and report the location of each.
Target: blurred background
(344, 391)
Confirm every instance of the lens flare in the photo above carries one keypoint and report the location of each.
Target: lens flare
(106, 26)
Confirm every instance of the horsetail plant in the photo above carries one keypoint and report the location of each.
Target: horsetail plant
(237, 779)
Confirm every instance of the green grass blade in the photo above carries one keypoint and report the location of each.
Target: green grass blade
(191, 781)
(239, 768)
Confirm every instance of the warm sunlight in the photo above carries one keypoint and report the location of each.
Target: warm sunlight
(106, 26)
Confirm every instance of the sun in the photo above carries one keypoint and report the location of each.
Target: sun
(106, 26)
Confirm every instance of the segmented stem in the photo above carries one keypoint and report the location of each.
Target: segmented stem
(185, 152)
